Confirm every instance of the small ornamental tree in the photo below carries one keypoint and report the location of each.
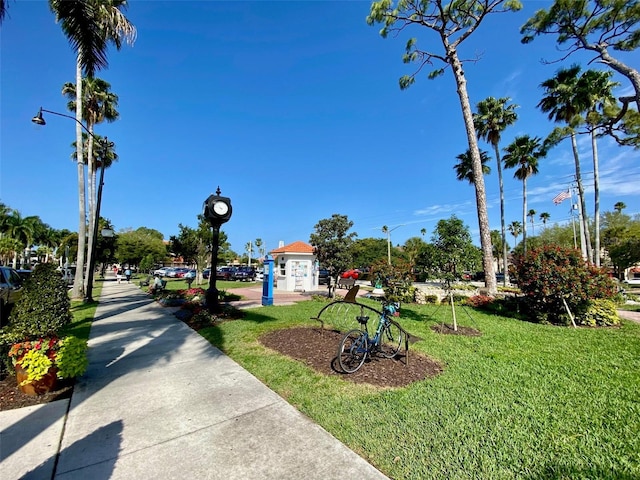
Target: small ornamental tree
(396, 279)
(552, 275)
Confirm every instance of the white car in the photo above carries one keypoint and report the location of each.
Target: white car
(162, 271)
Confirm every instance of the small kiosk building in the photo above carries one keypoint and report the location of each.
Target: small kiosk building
(295, 267)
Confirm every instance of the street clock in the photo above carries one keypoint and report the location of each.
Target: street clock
(216, 209)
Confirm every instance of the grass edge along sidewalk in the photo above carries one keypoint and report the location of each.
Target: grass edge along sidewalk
(523, 400)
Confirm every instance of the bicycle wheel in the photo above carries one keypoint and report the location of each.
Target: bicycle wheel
(352, 351)
(391, 339)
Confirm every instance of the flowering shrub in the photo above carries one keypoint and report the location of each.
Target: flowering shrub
(36, 357)
(550, 275)
(192, 294)
(480, 301)
(46, 346)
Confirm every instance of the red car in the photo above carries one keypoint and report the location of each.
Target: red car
(353, 273)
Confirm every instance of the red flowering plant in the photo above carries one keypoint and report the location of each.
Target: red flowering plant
(552, 276)
(192, 294)
(67, 357)
(47, 346)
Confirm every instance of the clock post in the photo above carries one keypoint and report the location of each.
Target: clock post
(217, 210)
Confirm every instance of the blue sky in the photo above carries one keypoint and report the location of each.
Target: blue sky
(294, 110)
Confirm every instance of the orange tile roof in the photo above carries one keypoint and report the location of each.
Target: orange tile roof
(295, 247)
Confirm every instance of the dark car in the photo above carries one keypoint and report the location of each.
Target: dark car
(225, 273)
(206, 273)
(244, 274)
(24, 274)
(323, 276)
(10, 292)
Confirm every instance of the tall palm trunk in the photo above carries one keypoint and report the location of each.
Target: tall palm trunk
(481, 197)
(92, 204)
(596, 192)
(583, 205)
(503, 228)
(78, 282)
(524, 214)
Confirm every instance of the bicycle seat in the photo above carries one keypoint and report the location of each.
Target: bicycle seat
(362, 320)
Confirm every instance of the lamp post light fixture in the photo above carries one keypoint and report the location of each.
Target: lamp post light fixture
(217, 210)
(388, 232)
(104, 144)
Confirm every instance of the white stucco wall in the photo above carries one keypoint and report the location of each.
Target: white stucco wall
(297, 274)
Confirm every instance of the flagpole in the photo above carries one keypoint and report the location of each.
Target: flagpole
(573, 224)
(583, 246)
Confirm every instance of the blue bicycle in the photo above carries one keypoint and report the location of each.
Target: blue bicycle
(357, 344)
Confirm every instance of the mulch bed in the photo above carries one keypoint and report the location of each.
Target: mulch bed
(11, 397)
(447, 329)
(318, 348)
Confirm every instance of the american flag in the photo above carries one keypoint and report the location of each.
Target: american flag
(559, 198)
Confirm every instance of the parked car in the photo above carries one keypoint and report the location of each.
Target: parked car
(161, 271)
(244, 274)
(633, 280)
(353, 273)
(10, 292)
(24, 274)
(225, 273)
(180, 271)
(323, 276)
(172, 272)
(206, 273)
(189, 274)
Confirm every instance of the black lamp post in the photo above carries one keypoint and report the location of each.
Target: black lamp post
(104, 145)
(217, 210)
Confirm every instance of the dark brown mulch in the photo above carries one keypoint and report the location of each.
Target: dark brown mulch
(11, 397)
(447, 329)
(317, 348)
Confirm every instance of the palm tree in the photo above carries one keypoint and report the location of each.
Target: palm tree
(515, 228)
(22, 230)
(423, 231)
(498, 247)
(524, 153)
(595, 91)
(544, 216)
(531, 214)
(464, 169)
(493, 117)
(89, 26)
(99, 104)
(619, 206)
(258, 244)
(563, 103)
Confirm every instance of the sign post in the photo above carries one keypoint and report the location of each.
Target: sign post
(267, 281)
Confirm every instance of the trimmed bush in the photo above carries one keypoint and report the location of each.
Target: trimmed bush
(480, 301)
(550, 274)
(44, 307)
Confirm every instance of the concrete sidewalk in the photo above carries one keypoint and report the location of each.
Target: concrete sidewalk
(158, 401)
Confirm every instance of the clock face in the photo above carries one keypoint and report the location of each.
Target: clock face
(220, 208)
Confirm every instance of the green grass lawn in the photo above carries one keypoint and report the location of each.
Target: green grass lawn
(83, 314)
(180, 284)
(524, 400)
